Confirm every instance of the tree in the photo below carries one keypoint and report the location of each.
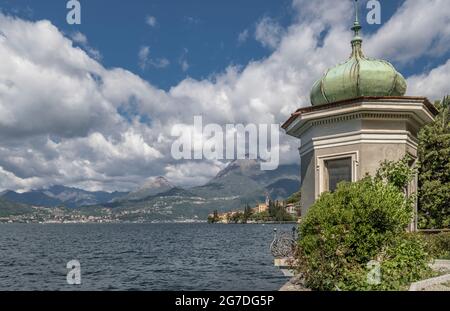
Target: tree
(277, 212)
(236, 217)
(294, 198)
(398, 173)
(434, 170)
(272, 209)
(214, 218)
(248, 212)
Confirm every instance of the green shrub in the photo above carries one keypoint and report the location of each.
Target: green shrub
(398, 173)
(294, 198)
(404, 261)
(277, 212)
(434, 170)
(358, 223)
(438, 245)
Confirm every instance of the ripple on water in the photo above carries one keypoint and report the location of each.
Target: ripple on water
(139, 257)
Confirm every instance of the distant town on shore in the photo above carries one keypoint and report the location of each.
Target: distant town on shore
(157, 200)
(269, 211)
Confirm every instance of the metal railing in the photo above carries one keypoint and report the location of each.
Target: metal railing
(283, 244)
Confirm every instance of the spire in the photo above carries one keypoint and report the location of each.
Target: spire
(357, 40)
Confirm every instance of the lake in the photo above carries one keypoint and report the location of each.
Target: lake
(139, 256)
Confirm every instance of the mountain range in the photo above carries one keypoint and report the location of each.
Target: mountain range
(240, 182)
(8, 208)
(61, 196)
(151, 187)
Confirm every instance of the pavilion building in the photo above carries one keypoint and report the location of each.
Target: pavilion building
(359, 116)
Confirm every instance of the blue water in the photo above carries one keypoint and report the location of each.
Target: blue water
(139, 256)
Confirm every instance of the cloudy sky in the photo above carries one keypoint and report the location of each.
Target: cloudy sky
(93, 105)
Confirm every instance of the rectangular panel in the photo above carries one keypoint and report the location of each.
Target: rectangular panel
(336, 171)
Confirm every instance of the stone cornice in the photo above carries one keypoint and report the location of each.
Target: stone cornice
(358, 137)
(414, 110)
(390, 102)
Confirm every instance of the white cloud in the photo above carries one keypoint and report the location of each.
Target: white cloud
(151, 21)
(193, 173)
(65, 119)
(420, 27)
(145, 60)
(10, 181)
(243, 36)
(268, 32)
(434, 84)
(144, 54)
(161, 63)
(81, 39)
(78, 37)
(191, 20)
(184, 64)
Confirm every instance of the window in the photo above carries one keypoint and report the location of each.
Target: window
(336, 171)
(332, 168)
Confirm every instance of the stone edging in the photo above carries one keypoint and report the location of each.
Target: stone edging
(440, 264)
(417, 286)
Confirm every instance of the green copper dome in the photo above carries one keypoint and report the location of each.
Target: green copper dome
(358, 76)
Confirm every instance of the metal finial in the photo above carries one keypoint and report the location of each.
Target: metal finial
(357, 40)
(356, 25)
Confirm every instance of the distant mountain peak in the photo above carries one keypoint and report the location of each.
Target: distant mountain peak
(248, 167)
(152, 186)
(156, 182)
(59, 190)
(58, 195)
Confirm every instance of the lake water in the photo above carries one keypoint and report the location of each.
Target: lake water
(139, 256)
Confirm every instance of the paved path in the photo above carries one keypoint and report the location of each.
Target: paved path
(442, 266)
(293, 285)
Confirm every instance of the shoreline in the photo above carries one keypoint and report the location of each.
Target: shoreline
(102, 223)
(258, 223)
(143, 223)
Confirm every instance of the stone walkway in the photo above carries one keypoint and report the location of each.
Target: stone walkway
(440, 283)
(444, 287)
(442, 266)
(294, 285)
